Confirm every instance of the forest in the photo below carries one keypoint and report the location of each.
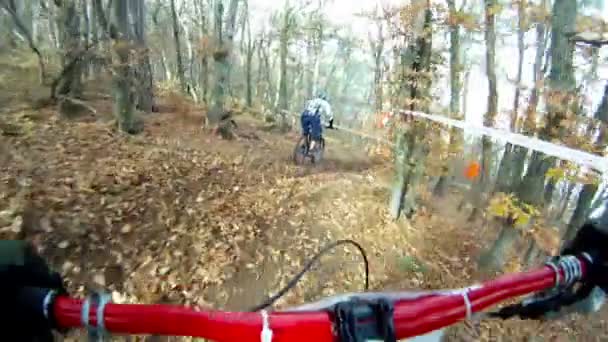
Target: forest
(146, 145)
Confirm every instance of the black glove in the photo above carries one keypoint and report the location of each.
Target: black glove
(592, 238)
(585, 296)
(25, 280)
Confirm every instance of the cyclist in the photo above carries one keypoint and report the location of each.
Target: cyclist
(310, 119)
(22, 271)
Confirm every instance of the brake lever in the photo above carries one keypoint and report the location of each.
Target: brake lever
(567, 291)
(545, 304)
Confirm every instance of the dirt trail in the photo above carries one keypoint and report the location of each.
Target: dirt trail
(176, 215)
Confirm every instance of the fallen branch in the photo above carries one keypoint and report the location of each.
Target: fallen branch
(78, 102)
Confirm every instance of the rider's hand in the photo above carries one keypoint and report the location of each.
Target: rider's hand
(591, 241)
(585, 296)
(25, 279)
(592, 238)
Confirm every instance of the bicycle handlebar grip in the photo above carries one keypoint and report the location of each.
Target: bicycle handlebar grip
(28, 315)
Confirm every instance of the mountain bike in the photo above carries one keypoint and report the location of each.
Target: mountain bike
(303, 152)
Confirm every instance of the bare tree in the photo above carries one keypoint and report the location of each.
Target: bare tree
(562, 86)
(377, 45)
(287, 24)
(483, 182)
(71, 41)
(455, 87)
(415, 84)
(123, 97)
(181, 73)
(11, 9)
(202, 12)
(224, 36)
(143, 70)
(249, 52)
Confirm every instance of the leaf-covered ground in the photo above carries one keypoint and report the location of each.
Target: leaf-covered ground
(177, 215)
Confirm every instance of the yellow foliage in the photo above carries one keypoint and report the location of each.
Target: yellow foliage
(555, 173)
(570, 172)
(495, 9)
(508, 207)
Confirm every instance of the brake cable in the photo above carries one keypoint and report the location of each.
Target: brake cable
(295, 279)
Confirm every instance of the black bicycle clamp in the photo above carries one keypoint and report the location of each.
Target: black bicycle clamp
(360, 320)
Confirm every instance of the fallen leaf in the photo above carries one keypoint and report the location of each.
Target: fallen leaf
(126, 229)
(67, 266)
(99, 279)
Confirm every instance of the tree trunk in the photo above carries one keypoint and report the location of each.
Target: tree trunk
(204, 74)
(165, 65)
(465, 91)
(548, 192)
(490, 37)
(310, 67)
(541, 38)
(411, 142)
(71, 83)
(316, 66)
(511, 169)
(143, 71)
(455, 89)
(189, 70)
(95, 37)
(248, 64)
(35, 12)
(563, 205)
(283, 50)
(417, 162)
(581, 211)
(512, 165)
(402, 167)
(530, 190)
(521, 28)
(53, 31)
(27, 34)
(264, 62)
(377, 46)
(224, 38)
(505, 170)
(585, 198)
(6, 25)
(562, 85)
(601, 114)
(483, 183)
(181, 73)
(495, 257)
(86, 23)
(531, 254)
(122, 82)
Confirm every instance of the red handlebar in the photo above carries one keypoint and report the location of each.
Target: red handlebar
(412, 317)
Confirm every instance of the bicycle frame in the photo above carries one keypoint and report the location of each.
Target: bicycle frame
(414, 313)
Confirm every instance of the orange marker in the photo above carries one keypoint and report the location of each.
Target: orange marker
(472, 170)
